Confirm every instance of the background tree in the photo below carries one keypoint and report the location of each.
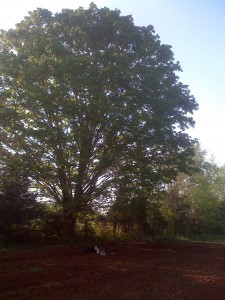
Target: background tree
(19, 210)
(195, 203)
(86, 96)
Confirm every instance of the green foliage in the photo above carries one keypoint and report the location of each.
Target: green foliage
(196, 201)
(191, 205)
(87, 99)
(19, 210)
(52, 222)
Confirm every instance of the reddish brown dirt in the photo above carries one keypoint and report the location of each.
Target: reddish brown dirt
(186, 271)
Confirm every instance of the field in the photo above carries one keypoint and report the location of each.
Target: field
(173, 270)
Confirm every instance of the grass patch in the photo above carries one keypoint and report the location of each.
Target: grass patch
(207, 238)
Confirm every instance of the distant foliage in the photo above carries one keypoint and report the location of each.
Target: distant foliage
(19, 210)
(195, 203)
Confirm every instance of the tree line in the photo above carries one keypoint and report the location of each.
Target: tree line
(192, 204)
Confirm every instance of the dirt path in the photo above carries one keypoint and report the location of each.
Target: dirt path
(186, 271)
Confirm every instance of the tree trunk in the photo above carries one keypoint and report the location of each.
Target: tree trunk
(69, 221)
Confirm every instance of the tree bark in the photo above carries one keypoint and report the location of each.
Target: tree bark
(69, 221)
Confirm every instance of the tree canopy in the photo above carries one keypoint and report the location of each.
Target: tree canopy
(88, 98)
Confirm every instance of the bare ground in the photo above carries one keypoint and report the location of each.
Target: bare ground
(174, 270)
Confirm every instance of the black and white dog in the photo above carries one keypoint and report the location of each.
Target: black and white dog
(100, 250)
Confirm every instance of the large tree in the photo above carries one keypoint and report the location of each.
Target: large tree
(86, 97)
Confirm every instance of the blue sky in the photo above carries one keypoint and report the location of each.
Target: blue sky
(196, 31)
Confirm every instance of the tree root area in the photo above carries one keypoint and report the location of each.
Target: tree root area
(167, 270)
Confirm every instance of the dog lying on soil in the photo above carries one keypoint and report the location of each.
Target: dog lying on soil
(98, 249)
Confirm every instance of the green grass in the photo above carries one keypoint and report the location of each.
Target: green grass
(12, 246)
(206, 238)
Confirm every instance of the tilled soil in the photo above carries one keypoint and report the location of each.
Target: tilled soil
(174, 270)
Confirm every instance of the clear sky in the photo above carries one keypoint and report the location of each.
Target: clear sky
(196, 31)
